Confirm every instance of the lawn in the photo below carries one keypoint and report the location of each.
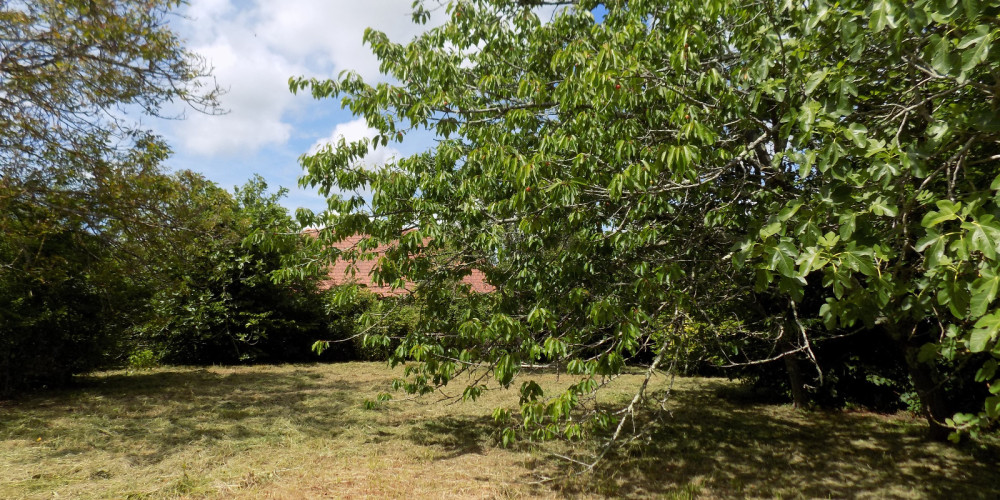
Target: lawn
(301, 431)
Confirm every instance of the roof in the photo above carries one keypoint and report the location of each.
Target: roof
(344, 272)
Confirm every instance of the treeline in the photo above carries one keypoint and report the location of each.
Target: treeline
(105, 258)
(804, 196)
(184, 283)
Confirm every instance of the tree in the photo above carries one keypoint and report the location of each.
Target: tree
(213, 299)
(72, 70)
(80, 186)
(790, 172)
(54, 306)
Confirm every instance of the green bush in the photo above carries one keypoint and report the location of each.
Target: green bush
(216, 302)
(55, 319)
(364, 326)
(144, 359)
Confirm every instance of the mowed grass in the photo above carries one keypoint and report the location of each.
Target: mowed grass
(301, 431)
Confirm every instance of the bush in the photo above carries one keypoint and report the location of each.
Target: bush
(56, 320)
(216, 302)
(144, 359)
(364, 326)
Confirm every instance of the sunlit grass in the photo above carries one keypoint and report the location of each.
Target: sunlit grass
(301, 431)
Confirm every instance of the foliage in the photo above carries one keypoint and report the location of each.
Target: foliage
(143, 360)
(55, 319)
(365, 327)
(895, 167)
(80, 187)
(808, 170)
(215, 301)
(70, 70)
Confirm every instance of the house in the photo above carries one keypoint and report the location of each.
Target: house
(341, 273)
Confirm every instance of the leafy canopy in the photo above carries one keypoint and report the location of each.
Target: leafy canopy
(802, 170)
(82, 194)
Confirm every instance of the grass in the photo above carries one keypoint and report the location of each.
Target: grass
(301, 431)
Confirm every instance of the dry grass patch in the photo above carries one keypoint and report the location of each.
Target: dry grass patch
(300, 431)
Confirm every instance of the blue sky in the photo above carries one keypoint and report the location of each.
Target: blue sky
(254, 46)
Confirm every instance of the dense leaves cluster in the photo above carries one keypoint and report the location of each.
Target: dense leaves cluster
(212, 299)
(784, 174)
(102, 252)
(80, 187)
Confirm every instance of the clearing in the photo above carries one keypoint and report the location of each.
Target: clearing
(301, 431)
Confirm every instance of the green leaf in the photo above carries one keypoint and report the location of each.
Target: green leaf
(929, 239)
(826, 313)
(976, 47)
(847, 225)
(928, 352)
(810, 260)
(770, 230)
(933, 246)
(857, 133)
(814, 80)
(954, 295)
(507, 437)
(992, 406)
(985, 330)
(881, 207)
(946, 211)
(987, 371)
(940, 54)
(978, 340)
(984, 236)
(984, 291)
(861, 261)
(972, 8)
(787, 212)
(783, 259)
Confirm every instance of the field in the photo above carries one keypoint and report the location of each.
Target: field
(301, 431)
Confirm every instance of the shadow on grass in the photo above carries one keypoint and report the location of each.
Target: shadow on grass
(456, 435)
(718, 448)
(149, 416)
(709, 446)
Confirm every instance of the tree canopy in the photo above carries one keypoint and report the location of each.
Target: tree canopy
(212, 300)
(754, 179)
(82, 192)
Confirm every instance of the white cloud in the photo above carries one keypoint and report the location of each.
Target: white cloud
(254, 49)
(355, 130)
(256, 101)
(330, 33)
(202, 10)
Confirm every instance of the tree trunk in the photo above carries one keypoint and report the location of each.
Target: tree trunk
(933, 405)
(795, 380)
(793, 368)
(932, 401)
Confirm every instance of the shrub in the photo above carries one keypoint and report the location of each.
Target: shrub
(216, 302)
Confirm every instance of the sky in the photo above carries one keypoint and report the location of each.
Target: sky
(254, 47)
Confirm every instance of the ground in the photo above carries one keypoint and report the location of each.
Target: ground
(302, 431)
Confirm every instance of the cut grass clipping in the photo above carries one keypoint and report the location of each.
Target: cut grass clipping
(302, 431)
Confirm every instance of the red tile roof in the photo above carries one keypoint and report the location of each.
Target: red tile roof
(344, 272)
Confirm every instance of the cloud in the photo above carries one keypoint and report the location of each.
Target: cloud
(209, 9)
(254, 48)
(355, 130)
(330, 33)
(256, 101)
